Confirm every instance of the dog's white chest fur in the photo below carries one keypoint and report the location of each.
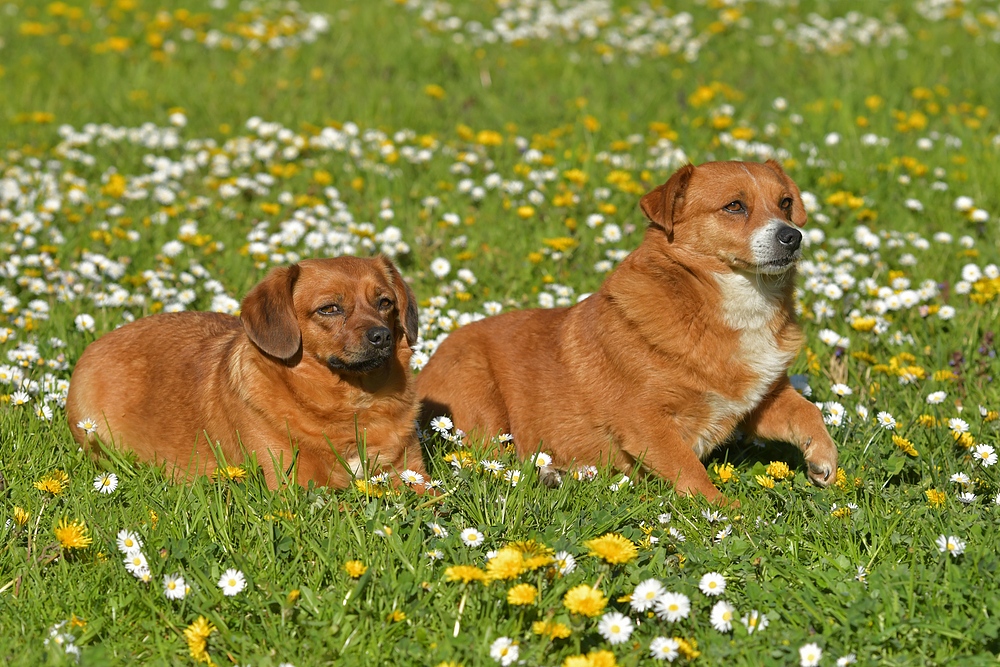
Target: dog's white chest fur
(749, 305)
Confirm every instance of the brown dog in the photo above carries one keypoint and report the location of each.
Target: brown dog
(690, 337)
(317, 361)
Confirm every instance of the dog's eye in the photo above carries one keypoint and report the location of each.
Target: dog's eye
(785, 203)
(734, 207)
(384, 303)
(329, 309)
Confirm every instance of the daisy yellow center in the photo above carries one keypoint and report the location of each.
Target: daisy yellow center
(232, 582)
(727, 616)
(106, 481)
(172, 585)
(129, 543)
(674, 607)
(615, 629)
(650, 595)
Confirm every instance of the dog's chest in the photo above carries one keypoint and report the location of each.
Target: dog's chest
(749, 308)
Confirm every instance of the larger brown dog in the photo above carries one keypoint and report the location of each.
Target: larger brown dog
(689, 338)
(318, 360)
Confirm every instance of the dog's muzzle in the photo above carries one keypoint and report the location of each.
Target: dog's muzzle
(376, 350)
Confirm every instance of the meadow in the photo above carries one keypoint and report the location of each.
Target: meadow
(162, 156)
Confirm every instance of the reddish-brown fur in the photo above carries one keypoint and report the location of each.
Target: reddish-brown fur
(165, 385)
(666, 359)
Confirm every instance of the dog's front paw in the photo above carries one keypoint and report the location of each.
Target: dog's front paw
(821, 458)
(550, 477)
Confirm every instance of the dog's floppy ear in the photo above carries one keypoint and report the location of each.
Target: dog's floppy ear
(662, 204)
(798, 217)
(268, 314)
(406, 302)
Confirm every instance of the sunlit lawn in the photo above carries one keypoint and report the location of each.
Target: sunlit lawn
(160, 157)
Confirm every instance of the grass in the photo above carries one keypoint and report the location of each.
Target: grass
(853, 569)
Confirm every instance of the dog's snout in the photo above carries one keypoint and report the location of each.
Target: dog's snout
(379, 337)
(789, 237)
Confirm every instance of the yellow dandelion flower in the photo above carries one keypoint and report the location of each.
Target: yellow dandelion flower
(235, 473)
(841, 480)
(687, 648)
(369, 489)
(778, 470)
(927, 421)
(20, 516)
(764, 480)
(464, 573)
(596, 658)
(904, 445)
(355, 568)
(396, 616)
(612, 548)
(55, 482)
(585, 600)
(841, 512)
(726, 472)
(72, 535)
(522, 594)
(197, 635)
(435, 91)
(507, 564)
(935, 498)
(551, 629)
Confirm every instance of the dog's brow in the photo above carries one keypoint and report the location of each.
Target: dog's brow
(752, 177)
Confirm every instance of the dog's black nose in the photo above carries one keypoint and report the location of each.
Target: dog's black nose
(379, 337)
(790, 237)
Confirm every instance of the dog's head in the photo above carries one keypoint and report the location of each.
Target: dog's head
(348, 313)
(743, 213)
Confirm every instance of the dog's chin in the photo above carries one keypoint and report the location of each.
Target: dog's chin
(770, 267)
(368, 364)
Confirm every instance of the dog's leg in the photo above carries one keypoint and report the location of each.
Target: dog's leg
(786, 416)
(664, 453)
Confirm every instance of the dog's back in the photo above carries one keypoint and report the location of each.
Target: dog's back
(154, 374)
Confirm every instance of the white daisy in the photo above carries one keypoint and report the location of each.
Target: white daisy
(841, 390)
(810, 655)
(664, 648)
(135, 562)
(936, 397)
(950, 544)
(106, 482)
(672, 607)
(722, 616)
(541, 459)
(88, 425)
(471, 537)
(504, 651)
(615, 627)
(232, 582)
(986, 455)
(967, 497)
(754, 621)
(958, 425)
(438, 530)
(564, 562)
(441, 424)
(128, 542)
(846, 660)
(411, 477)
(645, 595)
(712, 584)
(174, 587)
(886, 421)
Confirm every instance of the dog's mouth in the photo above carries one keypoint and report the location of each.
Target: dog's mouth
(771, 266)
(375, 360)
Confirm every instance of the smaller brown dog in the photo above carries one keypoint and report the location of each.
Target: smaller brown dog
(317, 362)
(689, 338)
